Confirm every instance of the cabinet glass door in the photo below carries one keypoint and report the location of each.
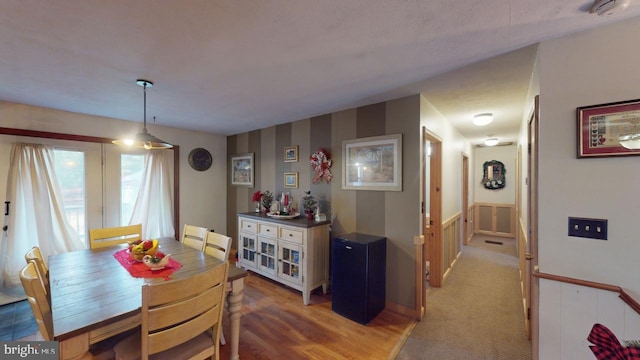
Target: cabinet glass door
(290, 263)
(267, 259)
(248, 251)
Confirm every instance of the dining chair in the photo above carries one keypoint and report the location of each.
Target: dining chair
(34, 255)
(180, 319)
(104, 237)
(37, 298)
(217, 245)
(194, 236)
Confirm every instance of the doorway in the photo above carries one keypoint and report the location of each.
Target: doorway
(465, 199)
(432, 212)
(531, 249)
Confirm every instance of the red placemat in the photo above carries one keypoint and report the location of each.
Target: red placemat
(140, 270)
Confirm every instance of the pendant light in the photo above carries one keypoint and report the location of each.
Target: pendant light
(143, 139)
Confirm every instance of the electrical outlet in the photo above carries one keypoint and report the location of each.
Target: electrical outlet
(588, 228)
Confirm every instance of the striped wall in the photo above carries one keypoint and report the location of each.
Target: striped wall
(393, 214)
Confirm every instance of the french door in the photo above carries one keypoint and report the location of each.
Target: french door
(99, 182)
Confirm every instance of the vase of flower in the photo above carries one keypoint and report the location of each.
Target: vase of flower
(257, 196)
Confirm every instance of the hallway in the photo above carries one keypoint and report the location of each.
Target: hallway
(478, 312)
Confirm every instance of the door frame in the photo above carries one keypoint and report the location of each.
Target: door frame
(465, 199)
(432, 248)
(531, 258)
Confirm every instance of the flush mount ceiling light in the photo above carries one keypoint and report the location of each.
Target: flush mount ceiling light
(491, 141)
(482, 119)
(631, 141)
(143, 139)
(608, 7)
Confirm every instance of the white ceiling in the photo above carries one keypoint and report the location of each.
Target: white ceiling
(232, 66)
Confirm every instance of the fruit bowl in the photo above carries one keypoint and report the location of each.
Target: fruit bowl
(138, 249)
(138, 256)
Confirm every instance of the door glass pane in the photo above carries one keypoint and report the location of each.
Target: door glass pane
(69, 167)
(131, 169)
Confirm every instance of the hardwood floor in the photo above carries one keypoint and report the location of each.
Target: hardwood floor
(275, 324)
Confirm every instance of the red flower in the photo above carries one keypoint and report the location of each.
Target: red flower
(256, 196)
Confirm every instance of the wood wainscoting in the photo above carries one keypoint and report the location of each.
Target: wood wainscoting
(495, 219)
(450, 243)
(469, 224)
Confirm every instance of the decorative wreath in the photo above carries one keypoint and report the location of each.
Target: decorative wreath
(320, 163)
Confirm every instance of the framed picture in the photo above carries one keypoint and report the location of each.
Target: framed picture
(602, 129)
(291, 153)
(291, 180)
(242, 172)
(373, 163)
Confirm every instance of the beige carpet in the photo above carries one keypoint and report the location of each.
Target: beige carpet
(478, 313)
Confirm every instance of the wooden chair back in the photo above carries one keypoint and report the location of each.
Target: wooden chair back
(104, 237)
(34, 255)
(37, 299)
(217, 245)
(194, 236)
(180, 318)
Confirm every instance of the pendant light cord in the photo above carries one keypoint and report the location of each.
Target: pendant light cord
(144, 87)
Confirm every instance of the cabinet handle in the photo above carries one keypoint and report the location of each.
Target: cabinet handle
(290, 234)
(348, 247)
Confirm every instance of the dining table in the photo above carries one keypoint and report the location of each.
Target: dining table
(94, 295)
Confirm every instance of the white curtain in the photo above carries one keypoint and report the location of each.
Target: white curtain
(153, 207)
(37, 215)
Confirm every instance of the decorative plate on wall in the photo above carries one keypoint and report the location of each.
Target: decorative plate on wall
(200, 159)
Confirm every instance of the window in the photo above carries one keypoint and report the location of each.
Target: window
(69, 166)
(131, 169)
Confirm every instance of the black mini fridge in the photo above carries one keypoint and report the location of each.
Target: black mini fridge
(358, 274)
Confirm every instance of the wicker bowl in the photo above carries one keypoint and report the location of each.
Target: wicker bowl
(137, 256)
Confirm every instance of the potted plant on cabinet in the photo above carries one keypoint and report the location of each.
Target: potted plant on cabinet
(267, 199)
(309, 204)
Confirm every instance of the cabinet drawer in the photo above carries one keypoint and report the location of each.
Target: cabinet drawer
(248, 226)
(289, 234)
(267, 230)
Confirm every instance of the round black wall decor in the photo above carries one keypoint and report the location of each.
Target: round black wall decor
(200, 159)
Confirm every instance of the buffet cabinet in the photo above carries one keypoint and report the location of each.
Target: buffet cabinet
(293, 252)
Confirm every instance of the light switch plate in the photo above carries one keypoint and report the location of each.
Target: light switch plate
(588, 228)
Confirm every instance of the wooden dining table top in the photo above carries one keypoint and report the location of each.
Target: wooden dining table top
(91, 289)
